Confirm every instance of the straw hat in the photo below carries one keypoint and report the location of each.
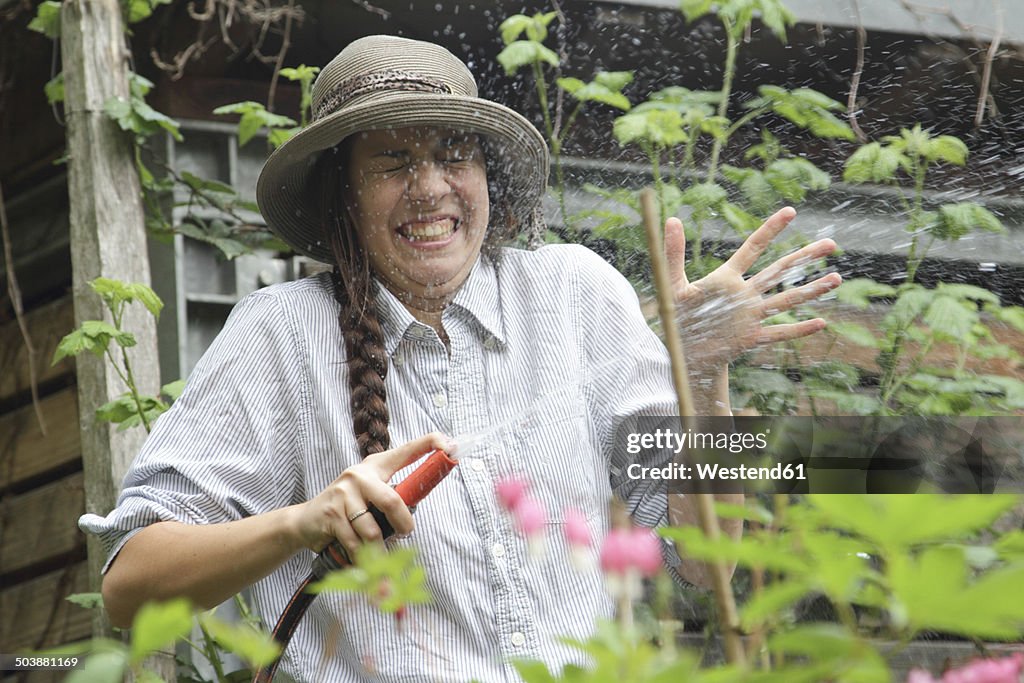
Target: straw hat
(382, 82)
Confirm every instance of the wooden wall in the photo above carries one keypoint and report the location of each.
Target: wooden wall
(42, 552)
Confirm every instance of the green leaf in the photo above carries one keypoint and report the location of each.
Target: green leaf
(859, 292)
(1011, 315)
(525, 53)
(660, 128)
(513, 27)
(142, 9)
(614, 80)
(771, 602)
(148, 298)
(173, 390)
(598, 91)
(933, 592)
(102, 667)
(86, 600)
(533, 671)
(947, 148)
(950, 317)
(695, 9)
(47, 19)
(255, 648)
(750, 510)
(968, 292)
(1010, 546)
(203, 184)
(71, 345)
(279, 136)
(806, 108)
(911, 302)
(776, 16)
(704, 195)
(873, 163)
(254, 116)
(741, 221)
(854, 332)
(755, 188)
(850, 402)
(248, 126)
(792, 178)
(956, 220)
(158, 625)
(901, 521)
(54, 89)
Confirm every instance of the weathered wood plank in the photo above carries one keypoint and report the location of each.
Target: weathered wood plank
(108, 239)
(47, 325)
(41, 524)
(35, 614)
(25, 452)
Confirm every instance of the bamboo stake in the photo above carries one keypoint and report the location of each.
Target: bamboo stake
(724, 598)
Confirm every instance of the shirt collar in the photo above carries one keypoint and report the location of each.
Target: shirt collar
(479, 297)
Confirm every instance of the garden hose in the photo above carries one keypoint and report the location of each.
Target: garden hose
(412, 490)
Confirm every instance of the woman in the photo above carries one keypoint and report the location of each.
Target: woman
(407, 183)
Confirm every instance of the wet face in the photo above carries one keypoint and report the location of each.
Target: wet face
(419, 199)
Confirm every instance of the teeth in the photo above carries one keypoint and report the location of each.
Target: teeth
(429, 231)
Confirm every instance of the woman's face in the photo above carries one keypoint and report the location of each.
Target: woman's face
(419, 199)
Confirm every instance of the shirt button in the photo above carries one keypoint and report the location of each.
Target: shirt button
(477, 464)
(498, 550)
(440, 400)
(398, 360)
(490, 343)
(518, 639)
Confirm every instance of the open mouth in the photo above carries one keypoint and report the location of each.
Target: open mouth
(435, 230)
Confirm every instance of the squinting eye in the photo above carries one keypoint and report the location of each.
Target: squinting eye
(457, 155)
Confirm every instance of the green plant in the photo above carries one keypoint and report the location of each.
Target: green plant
(131, 408)
(158, 626)
(230, 230)
(890, 567)
(524, 38)
(920, 318)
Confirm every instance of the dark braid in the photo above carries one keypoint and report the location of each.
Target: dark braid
(360, 327)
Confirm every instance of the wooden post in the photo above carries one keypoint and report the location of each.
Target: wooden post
(108, 239)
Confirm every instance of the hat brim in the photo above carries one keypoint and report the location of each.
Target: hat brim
(285, 194)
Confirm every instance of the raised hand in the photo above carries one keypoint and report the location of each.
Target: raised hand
(722, 315)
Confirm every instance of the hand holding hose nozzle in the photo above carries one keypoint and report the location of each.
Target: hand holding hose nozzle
(412, 490)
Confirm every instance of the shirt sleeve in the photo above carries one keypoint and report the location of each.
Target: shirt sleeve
(630, 379)
(230, 446)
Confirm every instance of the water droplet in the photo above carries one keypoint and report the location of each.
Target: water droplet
(987, 267)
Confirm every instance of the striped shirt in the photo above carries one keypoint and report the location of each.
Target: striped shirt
(548, 354)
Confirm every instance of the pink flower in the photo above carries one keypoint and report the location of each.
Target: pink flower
(577, 533)
(1006, 670)
(631, 549)
(510, 492)
(530, 516)
(647, 552)
(615, 553)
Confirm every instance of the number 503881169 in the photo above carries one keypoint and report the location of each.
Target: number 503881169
(36, 662)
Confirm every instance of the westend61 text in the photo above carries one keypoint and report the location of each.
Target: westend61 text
(714, 472)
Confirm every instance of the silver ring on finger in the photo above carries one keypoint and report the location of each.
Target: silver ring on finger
(356, 515)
